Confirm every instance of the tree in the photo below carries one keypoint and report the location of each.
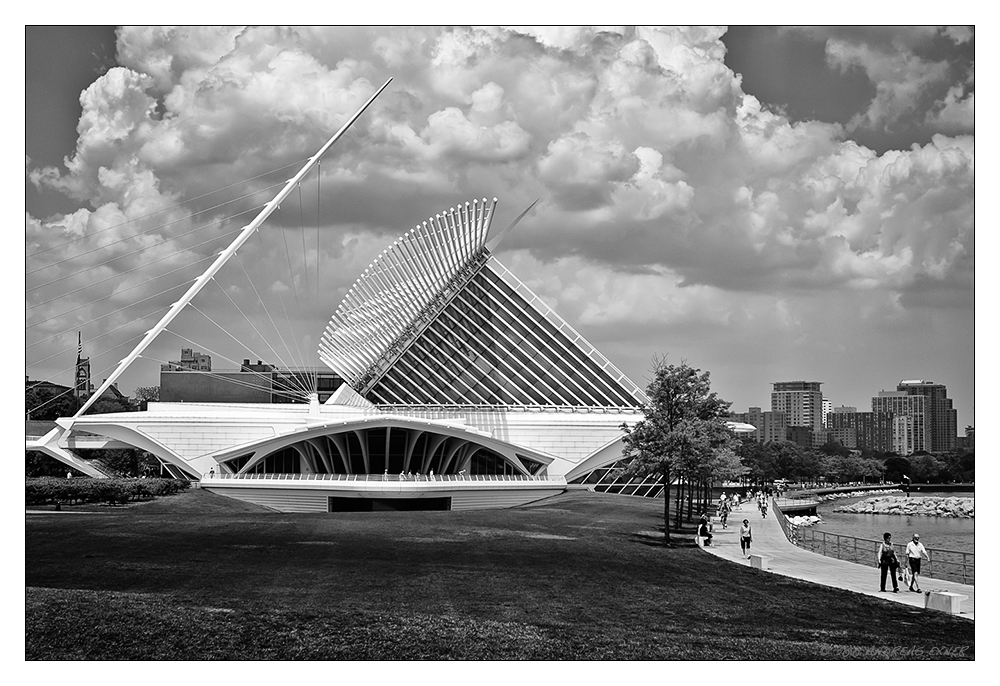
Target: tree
(925, 468)
(896, 468)
(679, 429)
(147, 394)
(109, 404)
(756, 458)
(784, 457)
(47, 405)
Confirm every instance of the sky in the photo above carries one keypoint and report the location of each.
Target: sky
(763, 203)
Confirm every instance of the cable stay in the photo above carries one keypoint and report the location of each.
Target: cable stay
(134, 252)
(294, 393)
(225, 256)
(167, 209)
(129, 271)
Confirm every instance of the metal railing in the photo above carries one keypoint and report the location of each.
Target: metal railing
(387, 478)
(789, 529)
(795, 502)
(949, 565)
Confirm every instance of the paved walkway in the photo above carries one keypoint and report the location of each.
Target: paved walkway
(789, 560)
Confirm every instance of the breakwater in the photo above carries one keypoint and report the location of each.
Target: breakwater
(927, 506)
(843, 495)
(806, 520)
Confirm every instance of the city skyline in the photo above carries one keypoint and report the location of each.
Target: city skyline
(694, 201)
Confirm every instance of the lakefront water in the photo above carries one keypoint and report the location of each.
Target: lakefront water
(935, 532)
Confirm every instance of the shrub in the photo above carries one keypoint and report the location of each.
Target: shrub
(45, 490)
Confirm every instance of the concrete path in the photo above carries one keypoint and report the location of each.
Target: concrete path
(783, 558)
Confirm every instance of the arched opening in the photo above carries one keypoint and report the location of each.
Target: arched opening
(392, 449)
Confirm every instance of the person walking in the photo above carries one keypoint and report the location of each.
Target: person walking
(746, 537)
(915, 551)
(763, 508)
(885, 558)
(724, 513)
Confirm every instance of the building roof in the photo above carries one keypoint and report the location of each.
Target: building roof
(436, 319)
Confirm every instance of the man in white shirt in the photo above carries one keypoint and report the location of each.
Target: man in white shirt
(915, 550)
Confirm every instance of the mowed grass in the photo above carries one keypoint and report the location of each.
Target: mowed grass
(197, 576)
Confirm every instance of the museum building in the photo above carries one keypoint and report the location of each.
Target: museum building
(462, 389)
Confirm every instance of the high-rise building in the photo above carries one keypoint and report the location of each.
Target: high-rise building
(871, 430)
(902, 435)
(801, 401)
(827, 409)
(942, 417)
(771, 426)
(916, 419)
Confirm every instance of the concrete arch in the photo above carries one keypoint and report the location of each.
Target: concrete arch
(447, 448)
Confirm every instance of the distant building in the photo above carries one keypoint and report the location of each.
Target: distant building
(871, 430)
(942, 418)
(251, 383)
(771, 426)
(801, 401)
(903, 435)
(190, 359)
(82, 386)
(846, 436)
(808, 437)
(911, 420)
(827, 409)
(968, 441)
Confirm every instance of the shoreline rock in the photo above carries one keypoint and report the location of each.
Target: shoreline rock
(925, 506)
(856, 494)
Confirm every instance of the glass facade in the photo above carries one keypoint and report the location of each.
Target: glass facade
(490, 347)
(382, 449)
(437, 320)
(612, 479)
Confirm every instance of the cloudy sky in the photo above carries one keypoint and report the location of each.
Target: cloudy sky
(764, 203)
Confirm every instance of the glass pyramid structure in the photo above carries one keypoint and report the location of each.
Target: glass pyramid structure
(437, 320)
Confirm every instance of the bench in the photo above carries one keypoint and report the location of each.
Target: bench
(946, 601)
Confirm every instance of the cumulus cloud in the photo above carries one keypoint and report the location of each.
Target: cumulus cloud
(667, 193)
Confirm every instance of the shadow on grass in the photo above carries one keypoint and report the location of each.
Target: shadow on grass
(191, 579)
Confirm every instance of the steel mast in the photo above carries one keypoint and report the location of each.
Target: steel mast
(223, 257)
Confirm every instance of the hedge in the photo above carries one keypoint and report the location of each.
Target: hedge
(45, 490)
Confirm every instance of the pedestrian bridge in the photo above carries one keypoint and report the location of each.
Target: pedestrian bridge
(35, 433)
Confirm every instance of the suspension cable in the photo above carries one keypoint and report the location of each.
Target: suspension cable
(129, 254)
(165, 209)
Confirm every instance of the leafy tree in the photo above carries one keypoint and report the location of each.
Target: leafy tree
(680, 430)
(110, 404)
(896, 468)
(756, 459)
(47, 404)
(147, 394)
(925, 468)
(834, 448)
(967, 466)
(809, 464)
(40, 464)
(784, 456)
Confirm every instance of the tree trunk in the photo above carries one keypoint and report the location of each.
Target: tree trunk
(684, 491)
(666, 508)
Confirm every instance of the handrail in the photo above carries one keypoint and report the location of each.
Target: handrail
(844, 547)
(389, 478)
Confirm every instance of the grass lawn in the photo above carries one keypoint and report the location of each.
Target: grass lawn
(196, 576)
